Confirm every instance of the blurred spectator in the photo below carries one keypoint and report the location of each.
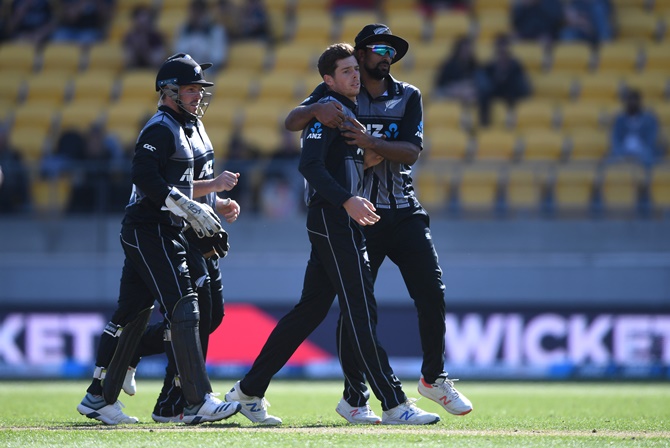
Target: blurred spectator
(255, 21)
(537, 20)
(503, 77)
(635, 132)
(30, 20)
(341, 7)
(201, 37)
(588, 21)
(69, 148)
(98, 175)
(143, 45)
(282, 189)
(456, 76)
(15, 187)
(83, 21)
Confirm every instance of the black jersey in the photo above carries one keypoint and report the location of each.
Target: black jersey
(396, 115)
(332, 168)
(163, 158)
(203, 161)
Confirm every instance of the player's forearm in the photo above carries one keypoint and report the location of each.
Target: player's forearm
(396, 151)
(202, 187)
(298, 118)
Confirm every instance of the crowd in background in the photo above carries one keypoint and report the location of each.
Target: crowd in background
(99, 165)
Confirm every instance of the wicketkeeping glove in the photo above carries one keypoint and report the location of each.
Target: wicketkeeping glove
(200, 216)
(210, 246)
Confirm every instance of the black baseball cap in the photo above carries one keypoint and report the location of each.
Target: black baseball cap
(181, 69)
(378, 32)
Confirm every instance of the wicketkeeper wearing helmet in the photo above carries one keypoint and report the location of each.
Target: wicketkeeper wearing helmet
(155, 248)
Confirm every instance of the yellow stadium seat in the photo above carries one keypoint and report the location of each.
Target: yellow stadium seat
(21, 55)
(449, 25)
(410, 25)
(169, 22)
(352, 23)
(574, 187)
(280, 86)
(126, 118)
(618, 57)
(423, 79)
(263, 137)
(534, 114)
(51, 195)
(121, 23)
(30, 142)
(657, 58)
(93, 86)
(312, 5)
(588, 144)
(532, 56)
(620, 186)
(400, 7)
(48, 87)
(81, 114)
(434, 187)
(296, 58)
(542, 146)
(571, 58)
(138, 86)
(278, 25)
(652, 85)
(106, 56)
(314, 27)
(581, 114)
(220, 138)
(491, 24)
(447, 144)
(428, 55)
(478, 188)
(524, 186)
(553, 86)
(34, 115)
(637, 25)
(495, 145)
(13, 85)
(234, 84)
(61, 57)
(599, 87)
(250, 55)
(442, 114)
(266, 113)
(660, 186)
(223, 113)
(662, 111)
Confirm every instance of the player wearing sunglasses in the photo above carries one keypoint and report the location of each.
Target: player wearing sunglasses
(390, 113)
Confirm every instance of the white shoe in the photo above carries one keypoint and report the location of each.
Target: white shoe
(443, 392)
(211, 410)
(160, 419)
(253, 408)
(129, 384)
(97, 408)
(358, 416)
(408, 414)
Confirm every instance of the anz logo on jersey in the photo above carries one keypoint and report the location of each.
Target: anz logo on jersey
(419, 132)
(207, 170)
(187, 176)
(377, 130)
(315, 132)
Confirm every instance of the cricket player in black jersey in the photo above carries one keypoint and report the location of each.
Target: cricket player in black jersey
(391, 112)
(155, 266)
(338, 262)
(203, 262)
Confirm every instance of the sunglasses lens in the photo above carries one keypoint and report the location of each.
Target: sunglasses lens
(383, 50)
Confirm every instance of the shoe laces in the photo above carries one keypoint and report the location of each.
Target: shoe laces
(448, 385)
(410, 404)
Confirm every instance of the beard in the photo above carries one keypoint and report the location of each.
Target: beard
(379, 72)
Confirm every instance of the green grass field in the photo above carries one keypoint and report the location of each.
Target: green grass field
(38, 414)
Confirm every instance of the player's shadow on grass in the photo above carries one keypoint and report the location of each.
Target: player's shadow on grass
(150, 426)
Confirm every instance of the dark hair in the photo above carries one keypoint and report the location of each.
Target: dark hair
(328, 59)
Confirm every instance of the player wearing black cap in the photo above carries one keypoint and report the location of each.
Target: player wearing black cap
(392, 114)
(336, 214)
(155, 266)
